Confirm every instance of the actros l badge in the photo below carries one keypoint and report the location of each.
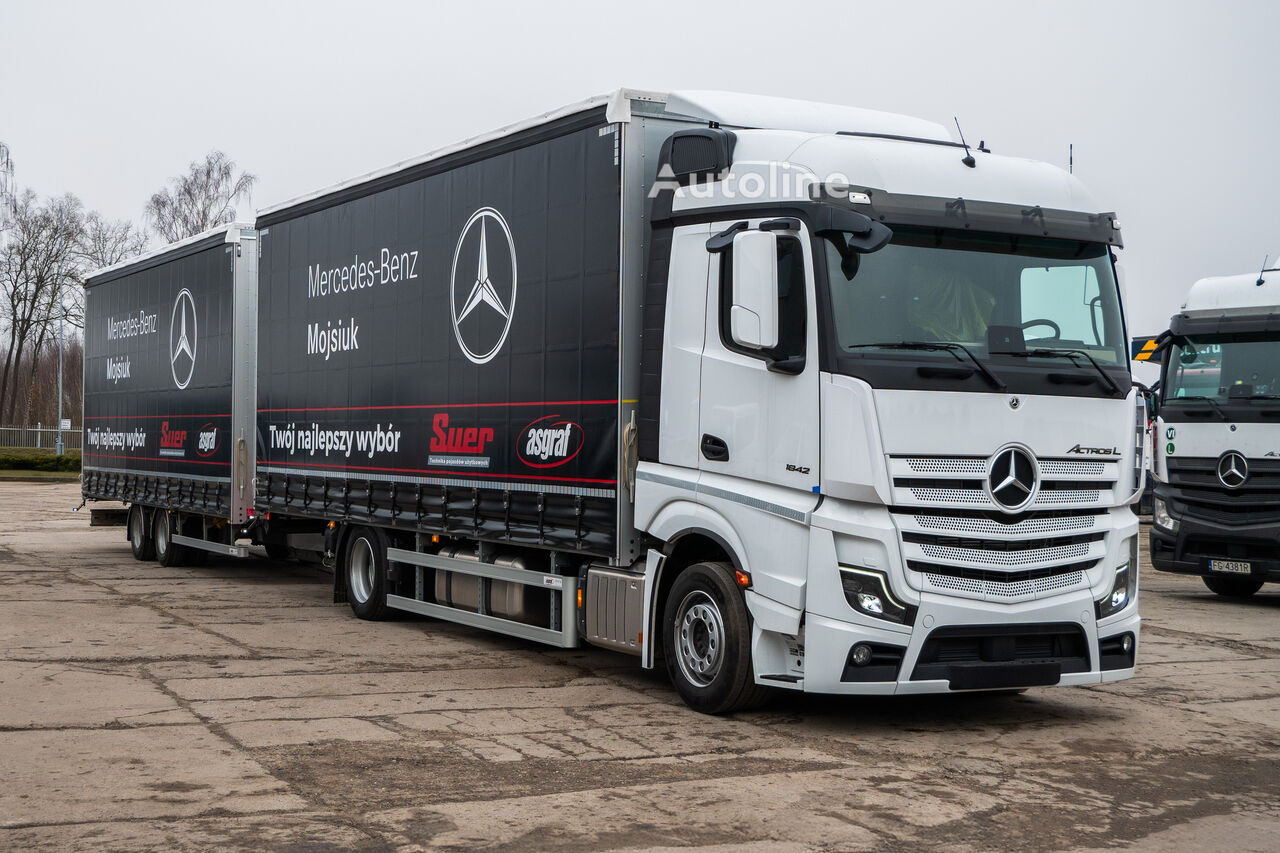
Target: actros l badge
(482, 306)
(182, 338)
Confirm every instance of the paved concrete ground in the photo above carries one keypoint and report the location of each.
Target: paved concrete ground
(235, 706)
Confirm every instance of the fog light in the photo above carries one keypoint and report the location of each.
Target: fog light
(870, 603)
(1127, 643)
(1161, 517)
(861, 655)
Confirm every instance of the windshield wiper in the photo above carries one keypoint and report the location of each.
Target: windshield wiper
(1201, 398)
(1071, 354)
(946, 346)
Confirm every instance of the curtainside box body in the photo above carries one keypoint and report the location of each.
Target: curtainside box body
(169, 376)
(442, 344)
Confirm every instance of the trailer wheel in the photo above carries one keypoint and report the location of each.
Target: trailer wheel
(365, 567)
(142, 545)
(707, 641)
(163, 527)
(276, 550)
(1233, 587)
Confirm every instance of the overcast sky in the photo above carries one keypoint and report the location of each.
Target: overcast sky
(1172, 105)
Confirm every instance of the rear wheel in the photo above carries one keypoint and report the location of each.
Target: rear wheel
(163, 526)
(277, 550)
(1233, 587)
(365, 565)
(707, 641)
(140, 541)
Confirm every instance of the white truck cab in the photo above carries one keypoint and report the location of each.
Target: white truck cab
(918, 447)
(1216, 507)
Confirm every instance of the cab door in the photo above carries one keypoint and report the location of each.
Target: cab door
(759, 406)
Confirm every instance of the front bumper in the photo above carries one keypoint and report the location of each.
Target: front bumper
(1198, 540)
(969, 645)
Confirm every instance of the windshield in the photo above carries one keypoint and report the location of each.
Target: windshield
(1223, 367)
(999, 296)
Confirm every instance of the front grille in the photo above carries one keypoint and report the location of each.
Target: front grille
(999, 585)
(999, 524)
(961, 481)
(1198, 478)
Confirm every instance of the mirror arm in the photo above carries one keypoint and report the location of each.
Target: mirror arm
(723, 241)
(791, 366)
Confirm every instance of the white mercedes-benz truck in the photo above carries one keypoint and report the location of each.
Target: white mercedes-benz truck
(1216, 509)
(783, 394)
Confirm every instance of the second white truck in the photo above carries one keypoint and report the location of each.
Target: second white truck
(1216, 508)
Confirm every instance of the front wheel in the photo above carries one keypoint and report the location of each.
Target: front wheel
(707, 641)
(1233, 587)
(140, 541)
(365, 564)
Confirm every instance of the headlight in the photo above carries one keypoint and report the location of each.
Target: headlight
(1123, 589)
(1160, 515)
(868, 593)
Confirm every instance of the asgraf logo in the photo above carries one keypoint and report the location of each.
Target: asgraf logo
(482, 305)
(207, 440)
(549, 441)
(182, 338)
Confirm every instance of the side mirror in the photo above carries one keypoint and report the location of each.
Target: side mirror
(753, 317)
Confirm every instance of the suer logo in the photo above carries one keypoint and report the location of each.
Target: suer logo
(182, 338)
(482, 307)
(447, 439)
(173, 442)
(549, 442)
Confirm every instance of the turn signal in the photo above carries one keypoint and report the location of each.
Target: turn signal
(579, 599)
(743, 579)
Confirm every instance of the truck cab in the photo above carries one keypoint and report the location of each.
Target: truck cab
(1216, 508)
(893, 396)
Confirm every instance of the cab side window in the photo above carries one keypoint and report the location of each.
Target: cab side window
(791, 303)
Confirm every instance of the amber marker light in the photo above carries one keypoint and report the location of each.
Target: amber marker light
(743, 579)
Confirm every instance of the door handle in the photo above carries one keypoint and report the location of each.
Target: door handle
(714, 448)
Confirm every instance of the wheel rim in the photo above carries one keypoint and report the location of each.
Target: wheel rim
(162, 535)
(700, 642)
(137, 532)
(360, 570)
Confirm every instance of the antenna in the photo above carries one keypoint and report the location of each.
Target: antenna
(1071, 158)
(968, 157)
(1261, 281)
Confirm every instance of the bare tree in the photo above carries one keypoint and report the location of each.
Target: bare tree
(199, 200)
(38, 273)
(106, 242)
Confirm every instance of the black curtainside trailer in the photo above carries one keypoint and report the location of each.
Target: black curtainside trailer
(168, 392)
(440, 345)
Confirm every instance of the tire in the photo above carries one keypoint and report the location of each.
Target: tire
(707, 641)
(276, 550)
(364, 567)
(163, 526)
(140, 541)
(1233, 587)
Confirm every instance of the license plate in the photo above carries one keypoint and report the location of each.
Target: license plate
(1230, 567)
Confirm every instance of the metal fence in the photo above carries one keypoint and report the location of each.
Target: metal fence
(38, 436)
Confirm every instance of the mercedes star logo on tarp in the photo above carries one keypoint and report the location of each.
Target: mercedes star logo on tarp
(482, 306)
(182, 339)
(1012, 478)
(1233, 469)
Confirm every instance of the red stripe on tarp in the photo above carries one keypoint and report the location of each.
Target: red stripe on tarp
(432, 471)
(446, 406)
